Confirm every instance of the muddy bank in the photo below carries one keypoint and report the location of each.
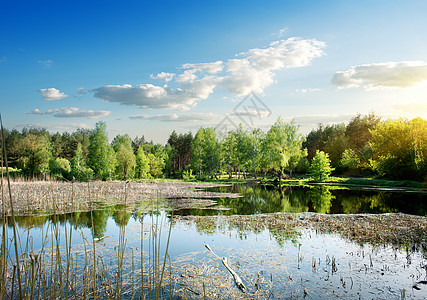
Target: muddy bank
(61, 197)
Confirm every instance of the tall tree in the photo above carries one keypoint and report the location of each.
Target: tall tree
(101, 156)
(142, 168)
(197, 150)
(283, 146)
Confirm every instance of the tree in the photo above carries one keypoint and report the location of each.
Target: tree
(320, 167)
(358, 130)
(125, 158)
(400, 149)
(142, 168)
(34, 153)
(60, 166)
(101, 156)
(283, 146)
(125, 161)
(79, 169)
(228, 152)
(349, 159)
(197, 150)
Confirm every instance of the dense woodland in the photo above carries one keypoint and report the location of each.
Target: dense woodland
(366, 146)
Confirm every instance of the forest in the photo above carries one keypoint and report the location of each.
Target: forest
(366, 146)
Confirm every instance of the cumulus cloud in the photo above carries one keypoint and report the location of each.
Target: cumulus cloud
(35, 111)
(164, 76)
(252, 71)
(52, 94)
(152, 96)
(81, 91)
(256, 69)
(190, 117)
(45, 63)
(382, 75)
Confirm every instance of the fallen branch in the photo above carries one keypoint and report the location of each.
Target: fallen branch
(237, 278)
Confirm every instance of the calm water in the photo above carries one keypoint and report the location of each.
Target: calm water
(297, 264)
(257, 199)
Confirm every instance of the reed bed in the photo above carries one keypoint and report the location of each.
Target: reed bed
(30, 197)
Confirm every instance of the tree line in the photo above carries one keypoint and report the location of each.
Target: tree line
(394, 149)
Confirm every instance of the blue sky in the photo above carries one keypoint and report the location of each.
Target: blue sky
(150, 67)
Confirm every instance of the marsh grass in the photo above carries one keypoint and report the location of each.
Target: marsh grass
(60, 268)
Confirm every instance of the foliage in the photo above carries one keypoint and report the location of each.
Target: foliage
(188, 175)
(400, 149)
(101, 156)
(393, 149)
(79, 169)
(34, 154)
(142, 164)
(126, 162)
(320, 167)
(283, 146)
(349, 159)
(60, 166)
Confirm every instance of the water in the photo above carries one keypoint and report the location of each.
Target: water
(298, 263)
(257, 199)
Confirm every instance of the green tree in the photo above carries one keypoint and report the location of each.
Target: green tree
(101, 156)
(283, 146)
(349, 159)
(156, 165)
(125, 161)
(142, 168)
(228, 152)
(60, 166)
(79, 169)
(399, 149)
(320, 167)
(197, 151)
(34, 153)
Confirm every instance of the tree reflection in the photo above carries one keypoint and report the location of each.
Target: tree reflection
(321, 199)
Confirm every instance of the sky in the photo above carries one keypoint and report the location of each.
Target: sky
(147, 68)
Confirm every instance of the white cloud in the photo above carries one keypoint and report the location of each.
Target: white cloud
(152, 96)
(382, 75)
(81, 91)
(52, 94)
(256, 69)
(35, 111)
(190, 117)
(74, 112)
(253, 71)
(45, 63)
(166, 77)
